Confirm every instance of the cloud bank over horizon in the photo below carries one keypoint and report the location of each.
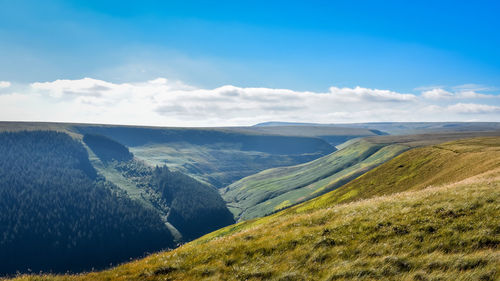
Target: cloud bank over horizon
(4, 84)
(164, 102)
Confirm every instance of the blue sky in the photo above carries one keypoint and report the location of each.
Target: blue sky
(403, 46)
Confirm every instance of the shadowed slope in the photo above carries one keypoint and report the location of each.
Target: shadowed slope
(57, 214)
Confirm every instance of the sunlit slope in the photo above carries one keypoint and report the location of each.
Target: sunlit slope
(277, 188)
(274, 189)
(483, 155)
(417, 169)
(447, 231)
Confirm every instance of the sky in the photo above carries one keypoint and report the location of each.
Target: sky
(224, 63)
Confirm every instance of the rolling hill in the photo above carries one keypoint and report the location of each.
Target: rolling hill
(420, 168)
(215, 156)
(400, 128)
(434, 218)
(221, 156)
(263, 193)
(274, 189)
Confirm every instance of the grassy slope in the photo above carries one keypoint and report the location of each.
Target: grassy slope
(217, 165)
(419, 168)
(449, 231)
(478, 155)
(274, 189)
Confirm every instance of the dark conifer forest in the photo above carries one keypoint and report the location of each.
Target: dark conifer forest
(195, 208)
(57, 214)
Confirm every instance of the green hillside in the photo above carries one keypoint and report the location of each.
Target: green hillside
(221, 156)
(419, 168)
(445, 226)
(277, 188)
(218, 164)
(216, 156)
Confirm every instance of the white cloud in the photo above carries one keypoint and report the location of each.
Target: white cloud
(469, 94)
(436, 94)
(359, 94)
(75, 88)
(472, 108)
(474, 88)
(4, 84)
(172, 103)
(468, 91)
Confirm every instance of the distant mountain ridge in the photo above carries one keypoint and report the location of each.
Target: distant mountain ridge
(400, 128)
